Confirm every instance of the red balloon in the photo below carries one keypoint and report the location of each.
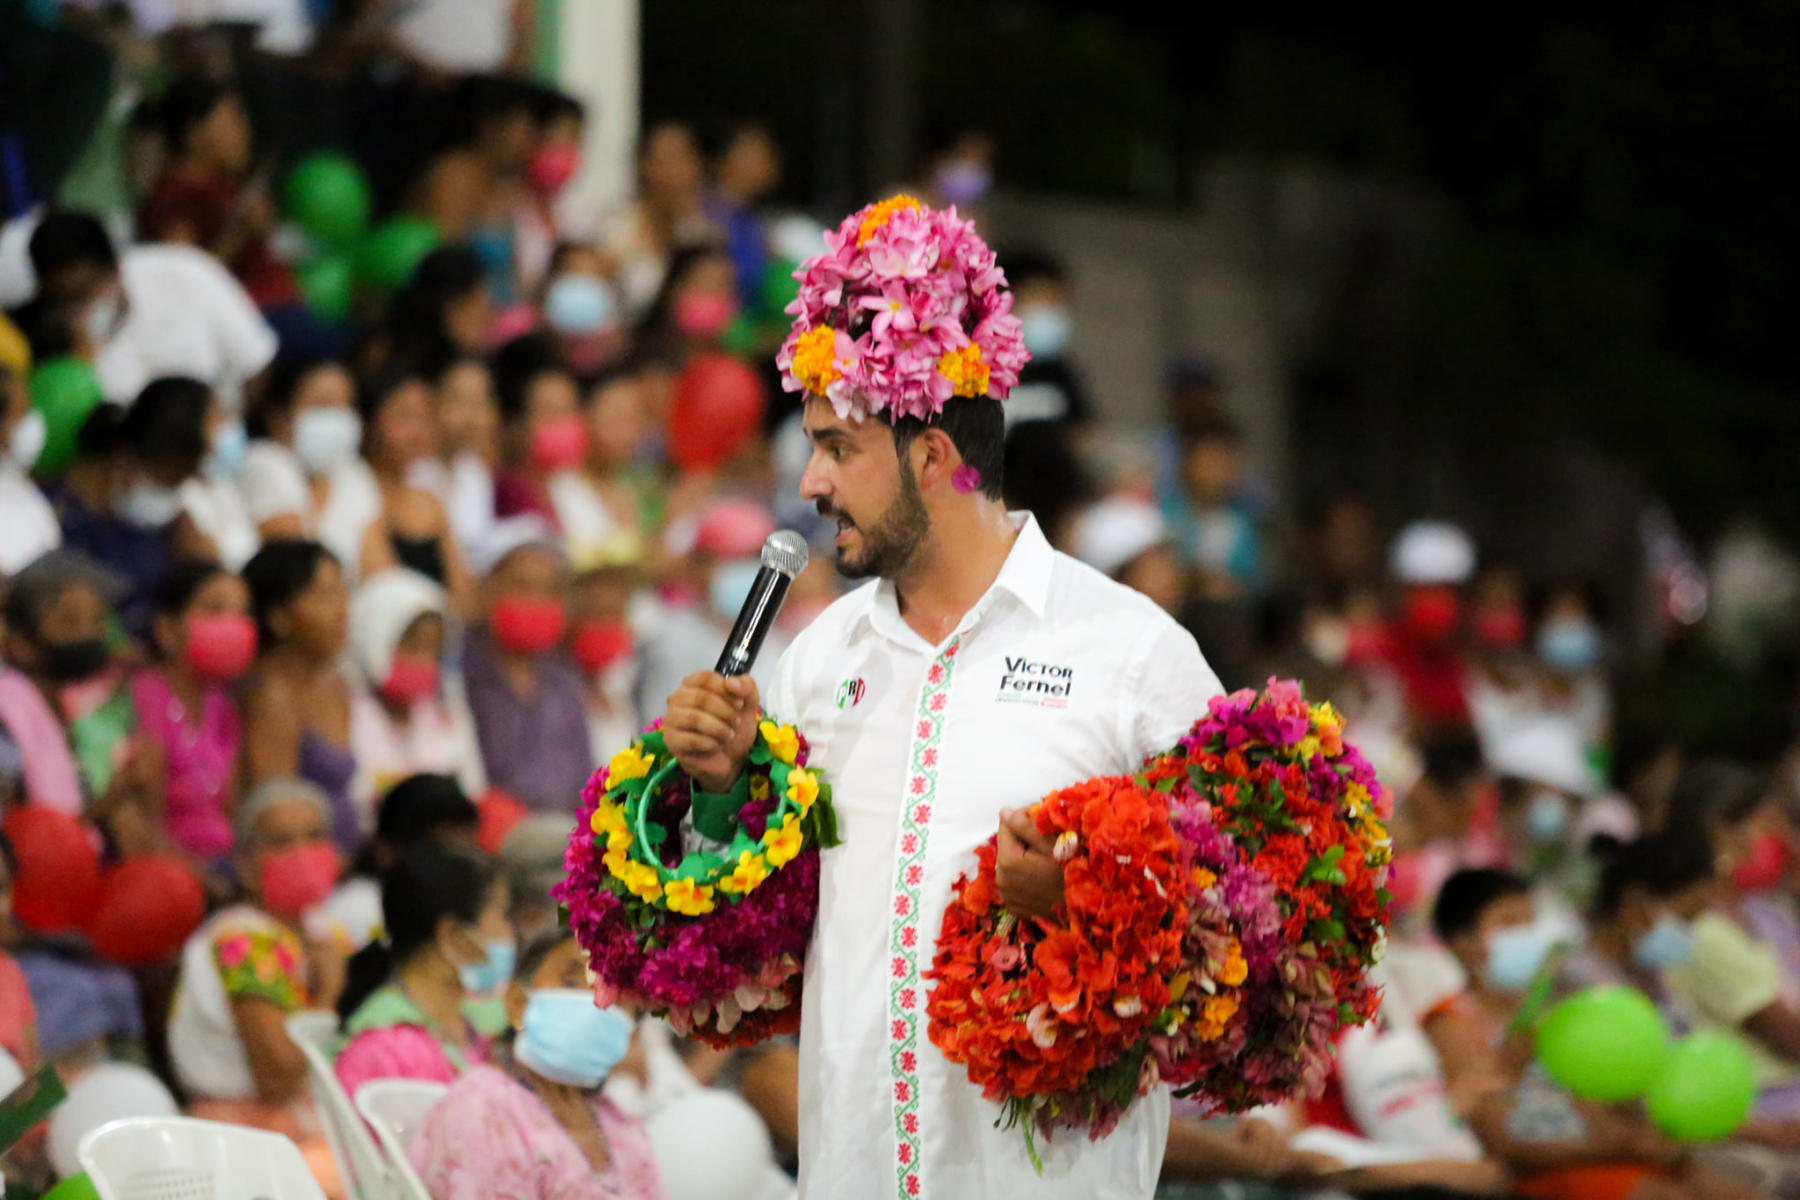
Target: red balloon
(146, 909)
(718, 406)
(148, 906)
(499, 813)
(59, 869)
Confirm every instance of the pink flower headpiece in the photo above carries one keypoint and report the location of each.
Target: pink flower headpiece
(904, 310)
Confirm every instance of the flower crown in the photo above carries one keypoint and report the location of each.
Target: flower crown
(905, 310)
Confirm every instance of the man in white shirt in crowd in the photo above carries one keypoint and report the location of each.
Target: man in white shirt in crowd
(976, 672)
(154, 311)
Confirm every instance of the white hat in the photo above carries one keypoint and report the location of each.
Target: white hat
(1545, 751)
(512, 533)
(1117, 530)
(384, 606)
(1432, 552)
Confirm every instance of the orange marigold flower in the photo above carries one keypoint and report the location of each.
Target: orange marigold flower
(879, 215)
(815, 359)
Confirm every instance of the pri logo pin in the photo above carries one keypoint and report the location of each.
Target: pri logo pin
(850, 692)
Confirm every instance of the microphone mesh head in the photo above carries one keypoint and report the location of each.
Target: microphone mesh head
(785, 551)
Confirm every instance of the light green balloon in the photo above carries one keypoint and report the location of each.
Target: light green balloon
(1705, 1090)
(1605, 1044)
(75, 1187)
(65, 390)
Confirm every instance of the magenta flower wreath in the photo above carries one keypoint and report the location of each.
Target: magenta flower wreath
(698, 907)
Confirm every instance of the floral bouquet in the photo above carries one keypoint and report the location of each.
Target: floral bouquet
(1221, 910)
(1279, 819)
(694, 906)
(1053, 1019)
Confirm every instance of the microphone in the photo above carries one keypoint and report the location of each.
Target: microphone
(784, 556)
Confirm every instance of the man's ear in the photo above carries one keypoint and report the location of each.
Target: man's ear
(934, 458)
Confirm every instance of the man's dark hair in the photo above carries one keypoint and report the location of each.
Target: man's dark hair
(977, 428)
(1660, 863)
(1467, 895)
(420, 806)
(166, 425)
(70, 239)
(1717, 791)
(1451, 759)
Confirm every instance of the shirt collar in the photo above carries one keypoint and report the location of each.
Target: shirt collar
(1025, 576)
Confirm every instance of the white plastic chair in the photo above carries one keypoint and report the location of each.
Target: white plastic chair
(365, 1170)
(178, 1158)
(394, 1109)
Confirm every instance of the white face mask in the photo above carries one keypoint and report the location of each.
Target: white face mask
(148, 505)
(103, 318)
(27, 440)
(326, 438)
(229, 445)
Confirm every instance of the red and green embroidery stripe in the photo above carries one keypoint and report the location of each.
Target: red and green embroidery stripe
(906, 996)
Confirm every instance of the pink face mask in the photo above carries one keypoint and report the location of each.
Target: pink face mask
(704, 315)
(1765, 866)
(411, 680)
(220, 645)
(560, 444)
(297, 880)
(552, 167)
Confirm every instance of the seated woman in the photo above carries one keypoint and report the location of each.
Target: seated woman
(420, 808)
(305, 429)
(404, 719)
(204, 640)
(251, 966)
(64, 699)
(535, 1124)
(409, 1009)
(296, 701)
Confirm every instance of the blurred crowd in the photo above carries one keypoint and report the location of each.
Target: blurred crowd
(336, 556)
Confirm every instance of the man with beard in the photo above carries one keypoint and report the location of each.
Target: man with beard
(978, 670)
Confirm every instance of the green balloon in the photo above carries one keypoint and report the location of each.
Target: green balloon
(328, 197)
(1605, 1044)
(75, 1187)
(327, 284)
(1705, 1090)
(393, 249)
(65, 390)
(778, 288)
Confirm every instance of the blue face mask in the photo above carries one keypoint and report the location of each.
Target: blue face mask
(1548, 817)
(229, 446)
(1046, 328)
(1669, 943)
(568, 1040)
(1514, 956)
(491, 973)
(578, 304)
(1569, 643)
(730, 585)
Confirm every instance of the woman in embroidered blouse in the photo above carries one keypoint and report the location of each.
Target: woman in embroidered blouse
(411, 1008)
(535, 1124)
(250, 967)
